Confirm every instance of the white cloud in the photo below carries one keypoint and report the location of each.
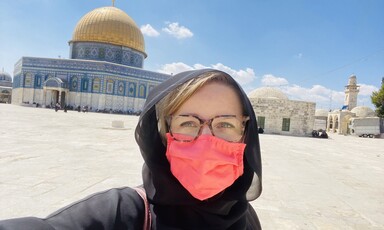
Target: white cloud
(175, 68)
(324, 98)
(319, 89)
(243, 77)
(149, 31)
(270, 80)
(367, 90)
(177, 31)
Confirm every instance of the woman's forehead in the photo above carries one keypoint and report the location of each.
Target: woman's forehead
(213, 99)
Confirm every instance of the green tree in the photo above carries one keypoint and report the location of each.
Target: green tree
(377, 99)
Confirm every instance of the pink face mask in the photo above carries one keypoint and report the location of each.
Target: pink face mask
(205, 166)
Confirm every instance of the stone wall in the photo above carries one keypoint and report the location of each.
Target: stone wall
(301, 115)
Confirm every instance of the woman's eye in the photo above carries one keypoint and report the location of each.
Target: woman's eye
(188, 124)
(224, 125)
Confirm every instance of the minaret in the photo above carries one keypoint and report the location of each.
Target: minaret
(351, 91)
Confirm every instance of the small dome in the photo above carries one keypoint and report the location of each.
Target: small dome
(267, 92)
(321, 113)
(5, 77)
(109, 25)
(363, 111)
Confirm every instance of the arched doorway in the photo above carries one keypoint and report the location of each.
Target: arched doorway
(5, 96)
(330, 124)
(55, 91)
(336, 125)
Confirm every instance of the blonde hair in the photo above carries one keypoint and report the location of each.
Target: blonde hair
(173, 101)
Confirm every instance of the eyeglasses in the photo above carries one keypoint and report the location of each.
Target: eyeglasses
(187, 128)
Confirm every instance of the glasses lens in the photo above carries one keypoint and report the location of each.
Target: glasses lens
(187, 128)
(228, 128)
(184, 128)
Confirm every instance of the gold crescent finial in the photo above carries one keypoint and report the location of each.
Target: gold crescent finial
(113, 2)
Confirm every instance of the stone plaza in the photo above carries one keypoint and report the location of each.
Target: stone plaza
(49, 159)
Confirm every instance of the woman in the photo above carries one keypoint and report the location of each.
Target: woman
(198, 137)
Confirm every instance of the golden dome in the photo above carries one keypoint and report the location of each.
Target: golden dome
(109, 25)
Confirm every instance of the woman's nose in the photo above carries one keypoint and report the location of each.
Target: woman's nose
(206, 129)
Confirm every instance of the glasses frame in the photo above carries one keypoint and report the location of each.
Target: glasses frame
(204, 122)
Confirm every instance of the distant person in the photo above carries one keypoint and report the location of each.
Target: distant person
(324, 134)
(260, 130)
(57, 106)
(198, 136)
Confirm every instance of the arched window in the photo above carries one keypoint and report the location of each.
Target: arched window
(336, 122)
(84, 84)
(96, 85)
(28, 80)
(142, 91)
(110, 85)
(37, 80)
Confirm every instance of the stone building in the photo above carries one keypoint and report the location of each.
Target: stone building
(5, 87)
(338, 120)
(276, 114)
(104, 70)
(321, 116)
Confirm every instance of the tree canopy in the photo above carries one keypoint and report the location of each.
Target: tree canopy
(377, 99)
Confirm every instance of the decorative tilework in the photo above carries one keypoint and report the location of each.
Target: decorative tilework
(52, 82)
(96, 85)
(107, 52)
(132, 89)
(103, 84)
(71, 65)
(16, 81)
(38, 81)
(142, 91)
(74, 81)
(109, 89)
(28, 80)
(120, 88)
(84, 84)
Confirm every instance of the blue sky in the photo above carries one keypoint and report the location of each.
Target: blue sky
(307, 48)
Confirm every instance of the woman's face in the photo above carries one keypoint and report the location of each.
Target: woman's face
(213, 99)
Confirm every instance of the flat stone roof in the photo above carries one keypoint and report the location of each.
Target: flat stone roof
(49, 159)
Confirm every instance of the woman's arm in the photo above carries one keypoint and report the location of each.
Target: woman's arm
(113, 209)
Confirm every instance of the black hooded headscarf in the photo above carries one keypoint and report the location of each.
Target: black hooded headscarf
(173, 206)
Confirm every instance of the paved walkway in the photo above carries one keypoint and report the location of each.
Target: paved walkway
(49, 159)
